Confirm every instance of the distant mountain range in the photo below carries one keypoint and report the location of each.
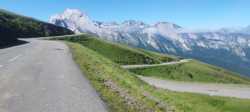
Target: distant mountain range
(228, 48)
(13, 26)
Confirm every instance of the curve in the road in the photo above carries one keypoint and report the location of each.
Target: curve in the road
(228, 90)
(154, 65)
(41, 76)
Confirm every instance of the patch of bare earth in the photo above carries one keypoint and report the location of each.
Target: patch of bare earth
(133, 102)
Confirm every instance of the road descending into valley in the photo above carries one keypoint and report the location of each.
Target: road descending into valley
(229, 90)
(41, 76)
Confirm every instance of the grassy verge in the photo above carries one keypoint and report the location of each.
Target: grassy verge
(192, 71)
(118, 88)
(124, 92)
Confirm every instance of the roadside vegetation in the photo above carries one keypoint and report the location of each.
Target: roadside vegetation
(192, 71)
(119, 53)
(124, 92)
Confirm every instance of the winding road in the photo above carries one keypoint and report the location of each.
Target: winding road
(155, 65)
(228, 90)
(41, 76)
(212, 89)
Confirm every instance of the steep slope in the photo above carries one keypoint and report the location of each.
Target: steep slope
(226, 48)
(119, 53)
(124, 92)
(13, 26)
(125, 55)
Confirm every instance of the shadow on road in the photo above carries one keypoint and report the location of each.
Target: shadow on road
(14, 43)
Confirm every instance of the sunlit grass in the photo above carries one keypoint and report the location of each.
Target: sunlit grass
(124, 92)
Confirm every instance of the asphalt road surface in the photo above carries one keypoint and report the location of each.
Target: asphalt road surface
(228, 90)
(154, 65)
(41, 76)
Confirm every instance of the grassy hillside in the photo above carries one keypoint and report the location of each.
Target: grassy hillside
(121, 54)
(14, 26)
(192, 71)
(159, 56)
(124, 92)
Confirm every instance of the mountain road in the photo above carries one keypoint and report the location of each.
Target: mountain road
(40, 76)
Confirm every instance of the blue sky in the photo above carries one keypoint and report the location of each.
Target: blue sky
(192, 14)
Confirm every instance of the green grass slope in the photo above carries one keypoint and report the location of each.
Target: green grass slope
(13, 26)
(120, 54)
(192, 71)
(124, 92)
